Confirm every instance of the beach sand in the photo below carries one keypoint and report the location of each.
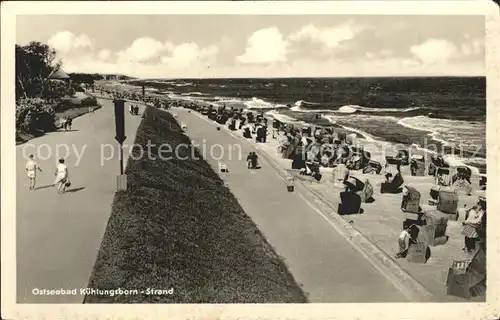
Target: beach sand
(382, 220)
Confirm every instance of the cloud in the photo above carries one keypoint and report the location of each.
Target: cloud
(143, 49)
(439, 51)
(268, 53)
(473, 48)
(265, 46)
(66, 42)
(104, 54)
(187, 54)
(434, 51)
(329, 37)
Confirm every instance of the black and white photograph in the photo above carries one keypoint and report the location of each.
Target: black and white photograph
(270, 154)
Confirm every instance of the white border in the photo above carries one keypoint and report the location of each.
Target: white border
(10, 310)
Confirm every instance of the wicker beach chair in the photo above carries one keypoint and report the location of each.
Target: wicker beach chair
(393, 186)
(411, 200)
(417, 165)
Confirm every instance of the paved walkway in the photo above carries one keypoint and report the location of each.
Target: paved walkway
(58, 236)
(328, 267)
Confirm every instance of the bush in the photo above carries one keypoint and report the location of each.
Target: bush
(74, 103)
(34, 116)
(89, 102)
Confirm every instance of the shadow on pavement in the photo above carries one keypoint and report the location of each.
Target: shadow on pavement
(75, 189)
(44, 187)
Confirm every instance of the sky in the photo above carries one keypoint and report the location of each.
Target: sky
(222, 46)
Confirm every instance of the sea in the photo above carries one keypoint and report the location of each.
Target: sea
(436, 114)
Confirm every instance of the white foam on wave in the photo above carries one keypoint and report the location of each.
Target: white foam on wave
(257, 103)
(366, 135)
(195, 93)
(184, 84)
(284, 118)
(355, 108)
(297, 107)
(451, 133)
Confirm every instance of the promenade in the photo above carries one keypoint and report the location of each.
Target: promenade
(326, 264)
(58, 236)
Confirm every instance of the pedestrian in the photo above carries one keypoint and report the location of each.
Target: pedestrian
(69, 122)
(62, 177)
(254, 160)
(249, 160)
(31, 168)
(407, 238)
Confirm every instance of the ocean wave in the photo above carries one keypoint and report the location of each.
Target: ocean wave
(365, 135)
(184, 84)
(257, 103)
(452, 133)
(283, 118)
(193, 94)
(356, 108)
(297, 107)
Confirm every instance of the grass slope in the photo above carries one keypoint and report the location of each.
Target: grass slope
(177, 226)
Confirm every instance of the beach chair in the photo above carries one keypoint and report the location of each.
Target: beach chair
(404, 156)
(350, 203)
(462, 187)
(436, 223)
(372, 167)
(417, 165)
(436, 162)
(411, 200)
(393, 186)
(306, 130)
(342, 136)
(448, 203)
(467, 278)
(462, 173)
(482, 182)
(443, 176)
(392, 163)
(418, 253)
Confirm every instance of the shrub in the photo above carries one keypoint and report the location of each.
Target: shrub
(89, 102)
(34, 116)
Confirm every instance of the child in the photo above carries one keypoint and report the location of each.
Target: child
(61, 176)
(31, 167)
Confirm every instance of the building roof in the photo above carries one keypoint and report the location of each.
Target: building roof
(59, 74)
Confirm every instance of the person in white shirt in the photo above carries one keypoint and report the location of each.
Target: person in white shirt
(31, 168)
(61, 176)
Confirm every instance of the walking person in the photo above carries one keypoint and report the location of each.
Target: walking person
(62, 177)
(254, 160)
(31, 168)
(69, 122)
(249, 160)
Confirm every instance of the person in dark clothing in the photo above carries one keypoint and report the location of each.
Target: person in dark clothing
(254, 160)
(249, 160)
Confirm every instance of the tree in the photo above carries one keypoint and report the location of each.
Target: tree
(34, 63)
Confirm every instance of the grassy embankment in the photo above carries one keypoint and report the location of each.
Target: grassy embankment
(177, 226)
